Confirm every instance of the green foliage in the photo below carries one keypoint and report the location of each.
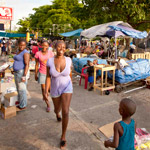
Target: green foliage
(66, 15)
(25, 25)
(61, 16)
(135, 12)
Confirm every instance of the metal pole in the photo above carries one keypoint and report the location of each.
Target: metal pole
(10, 26)
(135, 89)
(115, 48)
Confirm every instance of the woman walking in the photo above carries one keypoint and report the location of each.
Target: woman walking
(59, 80)
(21, 68)
(41, 58)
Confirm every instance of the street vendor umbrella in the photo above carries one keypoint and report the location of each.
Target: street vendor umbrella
(129, 31)
(100, 30)
(72, 33)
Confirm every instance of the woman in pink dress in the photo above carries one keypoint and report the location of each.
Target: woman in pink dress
(41, 58)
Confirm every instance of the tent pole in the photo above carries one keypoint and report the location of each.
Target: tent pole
(108, 48)
(80, 44)
(115, 48)
(146, 44)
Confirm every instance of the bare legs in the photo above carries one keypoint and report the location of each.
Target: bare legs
(57, 106)
(63, 102)
(66, 99)
(43, 90)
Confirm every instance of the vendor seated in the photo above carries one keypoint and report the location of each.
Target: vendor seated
(100, 53)
(90, 72)
(95, 62)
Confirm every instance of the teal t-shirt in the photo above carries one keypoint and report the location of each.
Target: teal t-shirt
(126, 141)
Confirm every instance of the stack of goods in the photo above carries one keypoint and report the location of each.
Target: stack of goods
(7, 79)
(4, 67)
(136, 70)
(32, 65)
(8, 96)
(142, 139)
(78, 63)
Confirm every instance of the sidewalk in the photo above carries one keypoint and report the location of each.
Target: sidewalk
(35, 129)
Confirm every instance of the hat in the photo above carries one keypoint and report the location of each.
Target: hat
(133, 46)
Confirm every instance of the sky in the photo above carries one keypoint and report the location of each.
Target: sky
(22, 8)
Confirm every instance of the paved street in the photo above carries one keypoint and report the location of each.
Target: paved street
(34, 129)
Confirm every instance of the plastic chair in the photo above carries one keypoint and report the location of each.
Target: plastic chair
(84, 75)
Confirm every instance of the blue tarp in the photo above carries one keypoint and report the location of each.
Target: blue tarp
(130, 31)
(72, 33)
(5, 34)
(137, 70)
(78, 63)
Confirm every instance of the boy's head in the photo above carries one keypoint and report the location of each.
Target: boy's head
(127, 107)
(89, 63)
(95, 61)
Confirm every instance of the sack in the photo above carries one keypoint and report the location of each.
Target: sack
(22, 86)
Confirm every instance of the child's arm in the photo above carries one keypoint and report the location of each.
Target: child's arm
(115, 142)
(135, 126)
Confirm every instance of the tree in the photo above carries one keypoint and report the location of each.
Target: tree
(135, 12)
(61, 16)
(25, 25)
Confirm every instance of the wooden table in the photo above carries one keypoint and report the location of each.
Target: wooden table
(104, 86)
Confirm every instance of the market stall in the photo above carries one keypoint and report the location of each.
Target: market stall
(8, 91)
(133, 71)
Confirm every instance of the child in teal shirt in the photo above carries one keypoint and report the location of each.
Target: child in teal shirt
(124, 130)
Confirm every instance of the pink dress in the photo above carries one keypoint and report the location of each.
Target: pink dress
(43, 60)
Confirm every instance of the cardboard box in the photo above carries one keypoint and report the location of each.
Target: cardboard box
(5, 86)
(107, 129)
(10, 99)
(7, 71)
(8, 112)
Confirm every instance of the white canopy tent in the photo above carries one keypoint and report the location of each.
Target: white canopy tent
(100, 30)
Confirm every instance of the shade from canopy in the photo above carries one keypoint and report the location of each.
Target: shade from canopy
(10, 35)
(100, 30)
(129, 31)
(72, 33)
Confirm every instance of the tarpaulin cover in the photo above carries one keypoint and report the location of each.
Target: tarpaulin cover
(100, 30)
(78, 63)
(129, 31)
(113, 33)
(5, 34)
(137, 70)
(72, 33)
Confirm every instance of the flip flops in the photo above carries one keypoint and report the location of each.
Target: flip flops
(63, 144)
(58, 119)
(48, 109)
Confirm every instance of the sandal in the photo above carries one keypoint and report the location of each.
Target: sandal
(58, 119)
(48, 109)
(62, 144)
(17, 103)
(21, 108)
